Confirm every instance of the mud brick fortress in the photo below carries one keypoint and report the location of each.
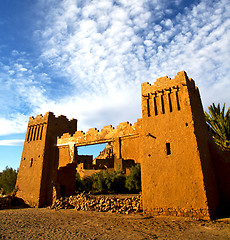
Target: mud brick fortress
(183, 172)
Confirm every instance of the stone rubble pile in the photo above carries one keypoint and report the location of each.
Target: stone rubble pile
(89, 202)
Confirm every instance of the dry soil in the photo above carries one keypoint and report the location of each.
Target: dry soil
(45, 223)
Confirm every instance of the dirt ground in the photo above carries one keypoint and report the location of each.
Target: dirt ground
(45, 223)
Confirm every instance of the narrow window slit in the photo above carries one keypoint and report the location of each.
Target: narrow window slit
(168, 149)
(162, 104)
(41, 132)
(170, 102)
(177, 99)
(148, 108)
(35, 131)
(155, 106)
(31, 133)
(38, 131)
(28, 136)
(31, 162)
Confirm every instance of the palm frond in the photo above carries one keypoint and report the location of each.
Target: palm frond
(219, 122)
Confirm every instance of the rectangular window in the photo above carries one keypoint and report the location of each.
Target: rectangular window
(31, 134)
(168, 149)
(35, 130)
(170, 102)
(38, 131)
(31, 162)
(28, 136)
(41, 132)
(162, 104)
(177, 99)
(155, 106)
(148, 107)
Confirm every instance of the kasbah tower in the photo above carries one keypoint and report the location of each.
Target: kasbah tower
(183, 172)
(38, 167)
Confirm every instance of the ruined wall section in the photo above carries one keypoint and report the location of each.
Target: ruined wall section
(39, 157)
(94, 136)
(176, 183)
(124, 139)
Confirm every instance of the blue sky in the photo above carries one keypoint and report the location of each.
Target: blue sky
(87, 59)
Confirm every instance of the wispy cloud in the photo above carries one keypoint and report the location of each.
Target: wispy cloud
(94, 55)
(14, 124)
(107, 49)
(11, 142)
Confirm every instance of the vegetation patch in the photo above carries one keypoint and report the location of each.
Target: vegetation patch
(111, 182)
(7, 181)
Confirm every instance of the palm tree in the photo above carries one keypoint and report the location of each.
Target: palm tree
(220, 125)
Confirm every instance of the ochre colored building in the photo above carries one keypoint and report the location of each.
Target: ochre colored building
(183, 171)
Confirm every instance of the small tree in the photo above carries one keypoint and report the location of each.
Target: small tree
(8, 180)
(133, 181)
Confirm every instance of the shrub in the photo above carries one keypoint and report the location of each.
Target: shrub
(8, 180)
(133, 181)
(79, 184)
(99, 182)
(115, 181)
(87, 184)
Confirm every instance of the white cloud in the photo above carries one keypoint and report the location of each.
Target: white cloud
(16, 124)
(98, 54)
(15, 142)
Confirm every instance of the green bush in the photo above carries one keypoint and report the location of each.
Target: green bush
(8, 180)
(99, 182)
(133, 181)
(115, 181)
(79, 184)
(87, 184)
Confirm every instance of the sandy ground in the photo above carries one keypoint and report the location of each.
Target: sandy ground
(45, 223)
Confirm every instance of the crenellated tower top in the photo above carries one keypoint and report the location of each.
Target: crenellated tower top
(39, 119)
(108, 133)
(164, 96)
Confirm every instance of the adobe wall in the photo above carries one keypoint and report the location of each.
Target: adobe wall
(66, 180)
(124, 140)
(63, 156)
(31, 166)
(84, 172)
(175, 178)
(221, 160)
(182, 172)
(39, 157)
(88, 159)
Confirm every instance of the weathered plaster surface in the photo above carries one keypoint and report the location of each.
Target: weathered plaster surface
(181, 169)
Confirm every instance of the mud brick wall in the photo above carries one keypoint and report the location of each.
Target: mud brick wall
(177, 172)
(182, 173)
(39, 157)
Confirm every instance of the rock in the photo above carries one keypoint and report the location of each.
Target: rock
(89, 202)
